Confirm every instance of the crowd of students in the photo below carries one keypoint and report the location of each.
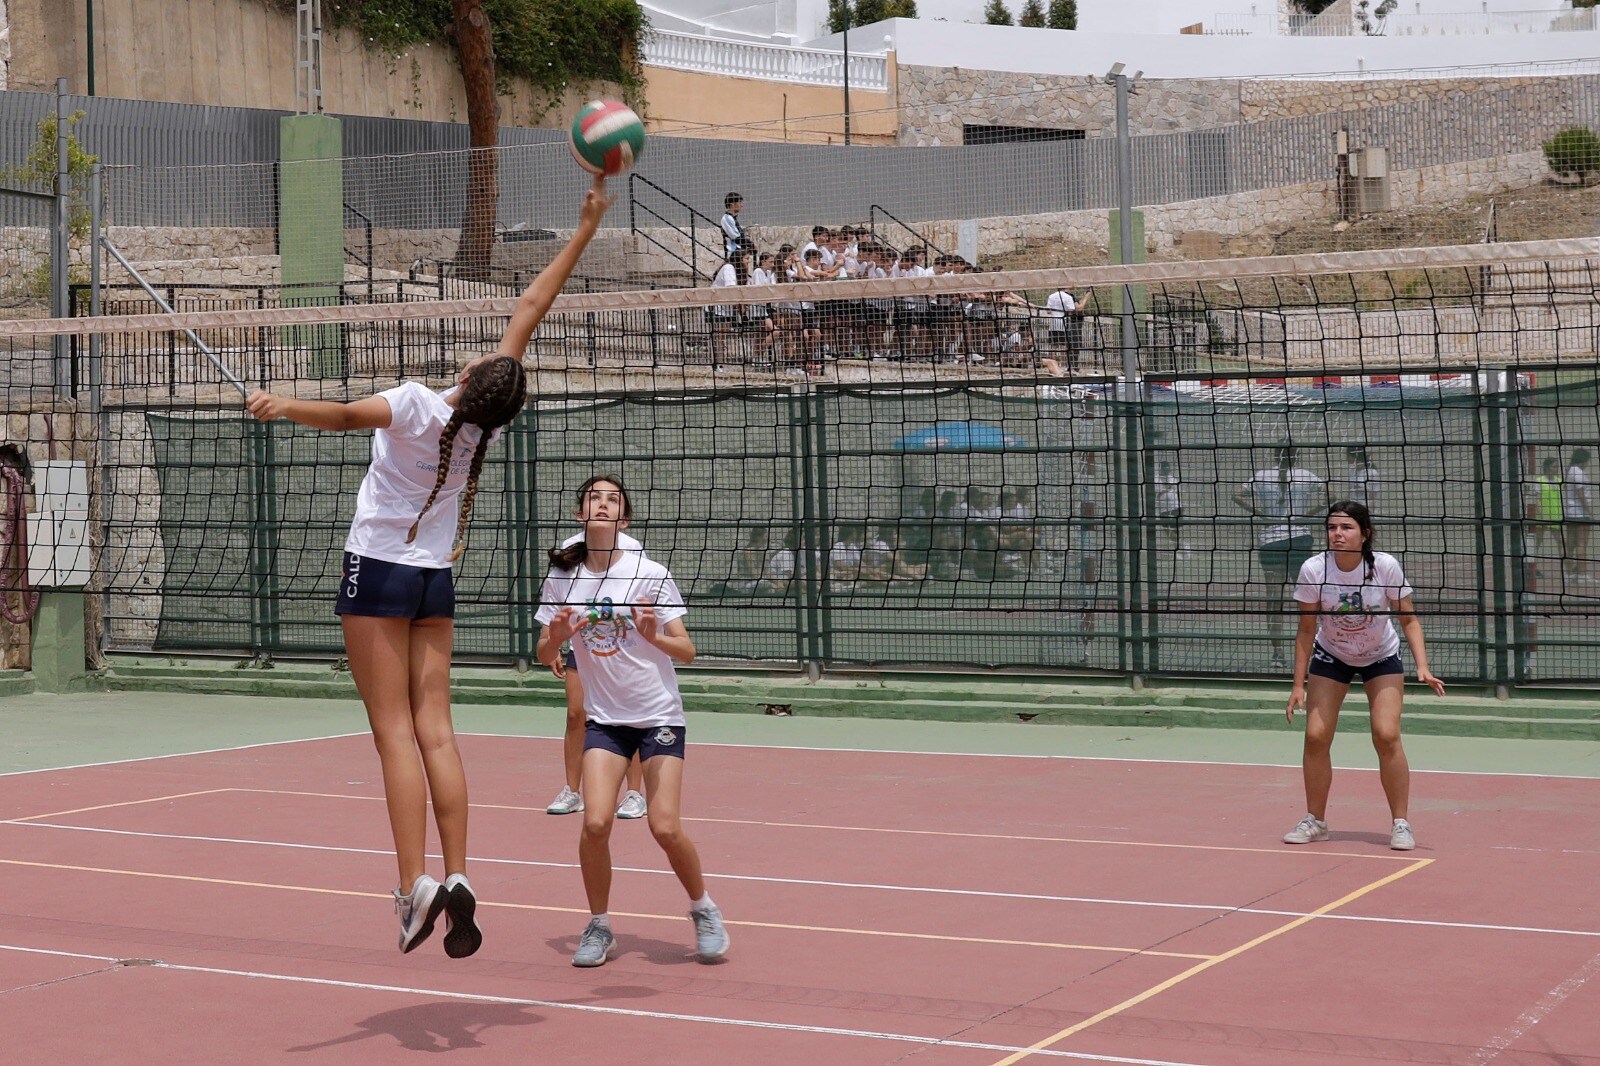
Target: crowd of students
(800, 336)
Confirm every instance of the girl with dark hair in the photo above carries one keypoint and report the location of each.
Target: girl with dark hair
(396, 597)
(1347, 596)
(624, 615)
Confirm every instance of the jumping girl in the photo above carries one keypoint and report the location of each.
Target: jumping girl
(396, 597)
(1346, 595)
(624, 616)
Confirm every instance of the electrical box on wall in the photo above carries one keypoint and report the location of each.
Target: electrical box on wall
(58, 530)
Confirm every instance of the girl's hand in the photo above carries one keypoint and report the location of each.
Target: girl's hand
(595, 203)
(567, 621)
(1297, 699)
(265, 406)
(646, 622)
(559, 667)
(1427, 678)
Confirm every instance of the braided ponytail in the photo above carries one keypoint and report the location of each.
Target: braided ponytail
(493, 396)
(447, 441)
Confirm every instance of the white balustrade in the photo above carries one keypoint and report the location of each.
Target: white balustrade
(769, 62)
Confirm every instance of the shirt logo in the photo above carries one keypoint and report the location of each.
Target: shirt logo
(604, 631)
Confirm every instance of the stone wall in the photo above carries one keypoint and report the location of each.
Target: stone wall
(5, 45)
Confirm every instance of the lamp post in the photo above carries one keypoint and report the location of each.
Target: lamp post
(847, 15)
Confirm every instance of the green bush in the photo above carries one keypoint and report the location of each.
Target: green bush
(997, 14)
(1575, 150)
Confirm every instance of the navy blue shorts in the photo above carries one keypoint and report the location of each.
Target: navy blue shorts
(1325, 664)
(628, 740)
(572, 659)
(376, 589)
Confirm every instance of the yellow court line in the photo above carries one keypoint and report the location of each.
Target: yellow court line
(1302, 852)
(620, 914)
(123, 803)
(1133, 1001)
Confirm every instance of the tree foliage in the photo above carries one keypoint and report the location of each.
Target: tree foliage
(997, 14)
(1031, 15)
(1063, 15)
(1574, 151)
(866, 12)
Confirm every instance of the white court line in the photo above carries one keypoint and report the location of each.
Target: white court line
(591, 1008)
(1536, 1013)
(1214, 908)
(1075, 758)
(179, 754)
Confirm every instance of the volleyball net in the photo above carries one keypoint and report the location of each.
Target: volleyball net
(948, 470)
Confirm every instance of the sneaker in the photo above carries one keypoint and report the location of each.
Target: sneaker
(632, 806)
(418, 911)
(1402, 839)
(462, 937)
(1308, 831)
(566, 802)
(595, 945)
(710, 935)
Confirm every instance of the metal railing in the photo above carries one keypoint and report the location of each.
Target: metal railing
(696, 223)
(768, 62)
(917, 236)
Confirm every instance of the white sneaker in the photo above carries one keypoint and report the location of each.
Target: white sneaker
(1402, 839)
(632, 806)
(418, 910)
(566, 802)
(1308, 831)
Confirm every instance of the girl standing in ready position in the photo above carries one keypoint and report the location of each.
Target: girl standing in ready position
(624, 616)
(1347, 595)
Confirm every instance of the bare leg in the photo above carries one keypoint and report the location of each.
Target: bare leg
(572, 739)
(431, 641)
(1324, 697)
(1385, 695)
(664, 777)
(602, 774)
(636, 775)
(379, 651)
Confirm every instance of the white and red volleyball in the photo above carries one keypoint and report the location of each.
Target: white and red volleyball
(607, 137)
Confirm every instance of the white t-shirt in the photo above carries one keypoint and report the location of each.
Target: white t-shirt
(1356, 615)
(726, 278)
(732, 232)
(1058, 304)
(1286, 497)
(405, 466)
(1577, 494)
(780, 567)
(1167, 499)
(626, 679)
(1364, 484)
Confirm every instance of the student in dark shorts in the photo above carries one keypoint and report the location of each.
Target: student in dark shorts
(624, 616)
(1349, 596)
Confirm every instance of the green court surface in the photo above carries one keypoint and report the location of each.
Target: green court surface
(45, 731)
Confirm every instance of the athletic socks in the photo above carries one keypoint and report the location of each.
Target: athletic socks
(702, 904)
(603, 919)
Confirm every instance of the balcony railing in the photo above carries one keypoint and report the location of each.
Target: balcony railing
(769, 62)
(1407, 23)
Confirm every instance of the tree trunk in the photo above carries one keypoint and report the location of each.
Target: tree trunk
(475, 46)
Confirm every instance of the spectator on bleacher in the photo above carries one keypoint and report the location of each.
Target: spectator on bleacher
(732, 231)
(1061, 315)
(1287, 497)
(1018, 348)
(760, 315)
(722, 318)
(874, 313)
(1578, 508)
(749, 563)
(778, 575)
(1016, 532)
(793, 339)
(854, 557)
(1362, 482)
(945, 314)
(944, 559)
(911, 312)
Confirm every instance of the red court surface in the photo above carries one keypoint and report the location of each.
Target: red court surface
(937, 909)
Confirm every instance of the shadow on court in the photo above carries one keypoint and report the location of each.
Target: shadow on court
(443, 1026)
(656, 952)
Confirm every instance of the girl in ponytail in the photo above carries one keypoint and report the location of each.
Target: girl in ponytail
(396, 597)
(1348, 596)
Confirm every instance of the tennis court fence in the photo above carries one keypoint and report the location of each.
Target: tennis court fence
(936, 471)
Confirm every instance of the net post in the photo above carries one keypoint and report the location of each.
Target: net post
(820, 584)
(60, 244)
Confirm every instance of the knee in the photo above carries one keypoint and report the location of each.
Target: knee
(434, 738)
(596, 827)
(1386, 739)
(1319, 740)
(668, 833)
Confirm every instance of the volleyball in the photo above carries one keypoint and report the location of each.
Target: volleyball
(607, 137)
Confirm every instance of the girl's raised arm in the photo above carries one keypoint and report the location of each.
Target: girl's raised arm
(372, 412)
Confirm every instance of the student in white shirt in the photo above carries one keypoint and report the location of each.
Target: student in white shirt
(721, 317)
(1286, 496)
(624, 615)
(1061, 312)
(1348, 596)
(1578, 510)
(1169, 507)
(765, 273)
(570, 799)
(1362, 481)
(732, 232)
(396, 597)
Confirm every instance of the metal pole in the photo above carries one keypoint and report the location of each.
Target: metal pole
(59, 237)
(89, 28)
(1130, 334)
(847, 73)
(1132, 392)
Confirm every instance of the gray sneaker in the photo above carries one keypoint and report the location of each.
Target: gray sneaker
(710, 935)
(1308, 831)
(566, 802)
(419, 910)
(595, 945)
(632, 806)
(1402, 839)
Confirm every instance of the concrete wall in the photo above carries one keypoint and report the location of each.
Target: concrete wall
(240, 53)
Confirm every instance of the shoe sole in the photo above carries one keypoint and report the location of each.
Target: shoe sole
(1403, 847)
(435, 908)
(631, 817)
(575, 810)
(464, 937)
